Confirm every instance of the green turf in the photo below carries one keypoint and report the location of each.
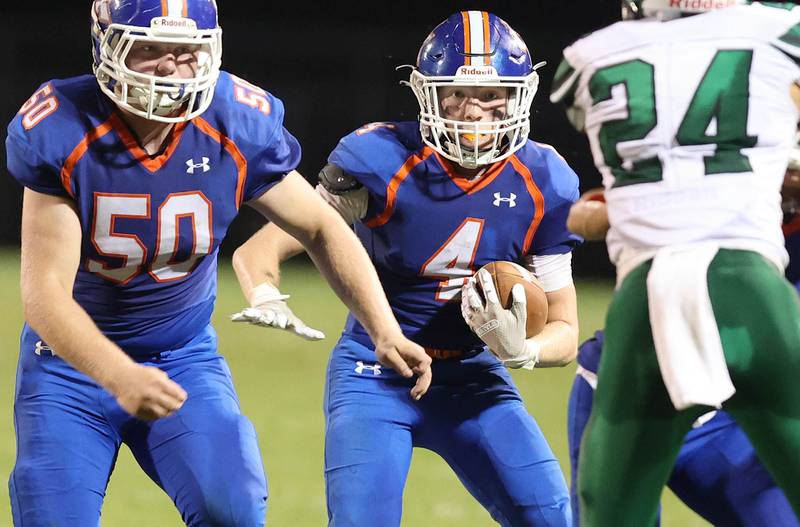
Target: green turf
(280, 382)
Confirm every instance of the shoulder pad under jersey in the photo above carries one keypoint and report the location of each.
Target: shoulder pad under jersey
(337, 181)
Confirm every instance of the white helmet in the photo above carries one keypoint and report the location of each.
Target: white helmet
(670, 9)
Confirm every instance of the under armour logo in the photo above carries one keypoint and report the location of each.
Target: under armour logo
(191, 165)
(511, 200)
(43, 349)
(487, 327)
(374, 368)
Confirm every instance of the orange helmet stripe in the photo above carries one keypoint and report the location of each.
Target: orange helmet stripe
(486, 37)
(467, 38)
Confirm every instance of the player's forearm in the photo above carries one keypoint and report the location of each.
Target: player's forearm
(50, 256)
(558, 341)
(70, 332)
(341, 258)
(558, 344)
(258, 259)
(589, 219)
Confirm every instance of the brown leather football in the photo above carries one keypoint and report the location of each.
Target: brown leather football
(505, 276)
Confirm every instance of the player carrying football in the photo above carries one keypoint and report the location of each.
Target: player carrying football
(432, 202)
(691, 121)
(131, 178)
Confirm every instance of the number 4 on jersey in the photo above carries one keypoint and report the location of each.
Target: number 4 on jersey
(453, 262)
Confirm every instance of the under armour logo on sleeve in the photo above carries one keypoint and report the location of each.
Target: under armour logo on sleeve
(192, 166)
(511, 200)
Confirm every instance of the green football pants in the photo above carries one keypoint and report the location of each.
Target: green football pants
(634, 433)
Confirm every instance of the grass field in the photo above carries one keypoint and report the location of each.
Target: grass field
(280, 382)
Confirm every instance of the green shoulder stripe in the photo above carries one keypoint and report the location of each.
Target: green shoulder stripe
(792, 37)
(778, 5)
(562, 74)
(564, 83)
(793, 58)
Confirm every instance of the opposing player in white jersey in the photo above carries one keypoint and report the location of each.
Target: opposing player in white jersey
(690, 121)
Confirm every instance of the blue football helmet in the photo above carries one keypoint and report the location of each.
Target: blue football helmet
(670, 9)
(119, 24)
(474, 48)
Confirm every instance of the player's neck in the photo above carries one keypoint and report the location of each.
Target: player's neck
(151, 135)
(467, 173)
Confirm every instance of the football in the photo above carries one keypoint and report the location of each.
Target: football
(505, 275)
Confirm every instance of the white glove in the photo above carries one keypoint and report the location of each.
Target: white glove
(268, 308)
(503, 330)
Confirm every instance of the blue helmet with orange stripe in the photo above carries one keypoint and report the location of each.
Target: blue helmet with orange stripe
(475, 48)
(119, 25)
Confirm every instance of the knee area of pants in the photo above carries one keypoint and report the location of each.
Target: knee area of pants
(585, 495)
(557, 514)
(243, 512)
(362, 518)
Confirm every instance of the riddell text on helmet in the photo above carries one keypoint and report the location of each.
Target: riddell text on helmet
(176, 23)
(476, 70)
(701, 4)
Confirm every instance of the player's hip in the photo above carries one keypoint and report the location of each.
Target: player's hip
(748, 272)
(354, 373)
(446, 337)
(40, 368)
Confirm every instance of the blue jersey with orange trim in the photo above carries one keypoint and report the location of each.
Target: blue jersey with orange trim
(428, 230)
(151, 225)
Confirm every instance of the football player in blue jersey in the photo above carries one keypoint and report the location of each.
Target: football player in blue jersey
(432, 202)
(132, 177)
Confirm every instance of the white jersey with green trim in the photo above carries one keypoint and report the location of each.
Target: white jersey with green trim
(691, 123)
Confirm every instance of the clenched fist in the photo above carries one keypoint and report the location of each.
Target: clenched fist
(147, 393)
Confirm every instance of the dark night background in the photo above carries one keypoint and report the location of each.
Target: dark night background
(332, 63)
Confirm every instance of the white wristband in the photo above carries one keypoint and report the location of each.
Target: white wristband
(265, 292)
(532, 350)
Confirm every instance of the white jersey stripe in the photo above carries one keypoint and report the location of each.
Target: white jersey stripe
(476, 33)
(175, 8)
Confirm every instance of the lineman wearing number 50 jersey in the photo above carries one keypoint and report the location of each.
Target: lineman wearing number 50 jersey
(691, 121)
(432, 202)
(132, 177)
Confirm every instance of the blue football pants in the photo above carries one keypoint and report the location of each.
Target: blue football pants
(69, 431)
(717, 473)
(472, 416)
